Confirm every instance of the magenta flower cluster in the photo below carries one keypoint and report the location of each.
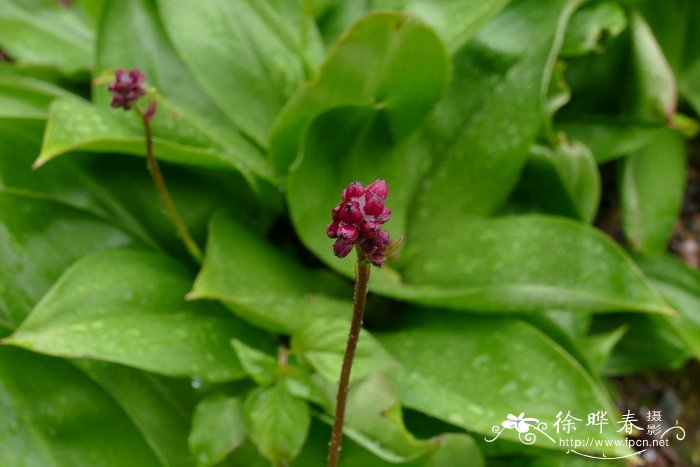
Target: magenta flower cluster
(127, 88)
(358, 220)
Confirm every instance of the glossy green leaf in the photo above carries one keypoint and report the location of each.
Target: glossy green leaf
(128, 307)
(610, 138)
(322, 344)
(278, 423)
(55, 415)
(42, 32)
(39, 238)
(652, 191)
(218, 428)
(449, 372)
(490, 116)
(414, 70)
(260, 366)
(150, 404)
(454, 449)
(563, 181)
(26, 98)
(598, 347)
(680, 285)
(272, 290)
(456, 21)
(656, 88)
(591, 26)
(76, 125)
(523, 263)
(251, 60)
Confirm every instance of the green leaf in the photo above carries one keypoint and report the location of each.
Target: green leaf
(656, 88)
(260, 366)
(449, 372)
(522, 263)
(252, 59)
(322, 344)
(218, 428)
(609, 138)
(76, 125)
(592, 26)
(26, 98)
(563, 181)
(598, 347)
(32, 262)
(55, 415)
(42, 32)
(413, 70)
(278, 423)
(455, 21)
(651, 192)
(454, 449)
(632, 353)
(490, 116)
(272, 291)
(150, 404)
(127, 307)
(680, 285)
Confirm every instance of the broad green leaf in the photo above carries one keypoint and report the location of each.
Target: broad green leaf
(523, 263)
(591, 26)
(413, 69)
(609, 138)
(322, 344)
(651, 192)
(252, 57)
(55, 415)
(656, 88)
(39, 238)
(563, 181)
(152, 407)
(26, 98)
(481, 131)
(127, 306)
(218, 428)
(277, 422)
(76, 125)
(260, 366)
(473, 371)
(680, 285)
(42, 32)
(455, 21)
(272, 291)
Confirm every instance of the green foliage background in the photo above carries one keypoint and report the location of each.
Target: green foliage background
(490, 120)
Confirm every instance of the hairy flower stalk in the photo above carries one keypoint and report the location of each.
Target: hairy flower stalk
(357, 222)
(127, 89)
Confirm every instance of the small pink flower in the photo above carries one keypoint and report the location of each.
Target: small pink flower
(358, 220)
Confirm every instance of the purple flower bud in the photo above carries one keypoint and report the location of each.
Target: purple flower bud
(354, 190)
(374, 205)
(357, 221)
(127, 88)
(332, 230)
(379, 187)
(342, 248)
(350, 212)
(348, 232)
